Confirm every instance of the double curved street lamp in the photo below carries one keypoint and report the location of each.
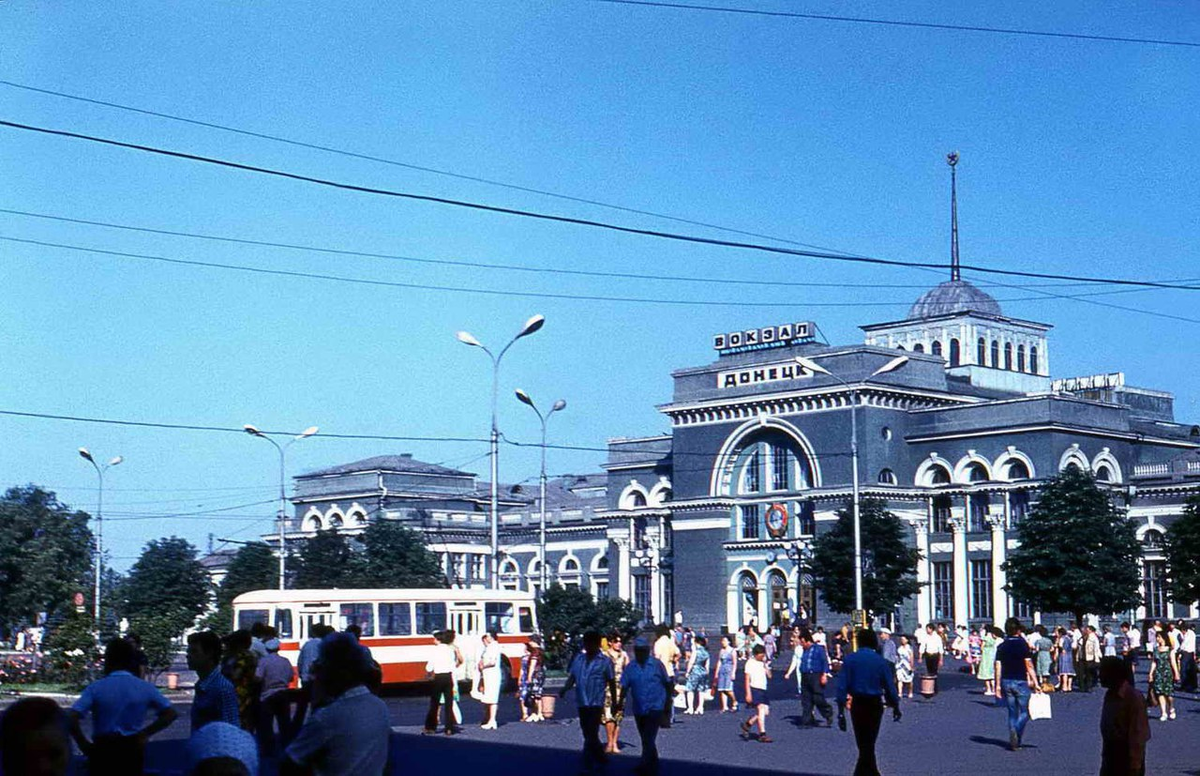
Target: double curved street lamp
(559, 405)
(254, 431)
(100, 470)
(890, 366)
(465, 337)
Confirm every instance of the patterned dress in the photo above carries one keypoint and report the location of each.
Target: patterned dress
(239, 668)
(1164, 675)
(533, 680)
(697, 678)
(725, 669)
(619, 660)
(1066, 656)
(904, 664)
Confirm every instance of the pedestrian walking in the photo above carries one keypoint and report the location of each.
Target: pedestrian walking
(348, 733)
(904, 667)
(987, 659)
(1187, 657)
(697, 682)
(34, 740)
(613, 715)
(758, 673)
(794, 665)
(814, 675)
(304, 663)
(591, 674)
(274, 674)
(647, 687)
(1014, 669)
(1164, 672)
(1124, 727)
(726, 669)
(490, 679)
(119, 704)
(214, 699)
(866, 684)
(440, 670)
(888, 646)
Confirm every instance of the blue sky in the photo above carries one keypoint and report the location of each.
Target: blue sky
(1077, 157)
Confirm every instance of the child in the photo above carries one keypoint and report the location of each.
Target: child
(904, 668)
(757, 674)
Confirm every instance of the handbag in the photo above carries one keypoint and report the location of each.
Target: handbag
(680, 701)
(1039, 706)
(710, 694)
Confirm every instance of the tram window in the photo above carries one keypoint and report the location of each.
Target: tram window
(248, 617)
(283, 623)
(526, 619)
(431, 617)
(498, 618)
(360, 615)
(395, 620)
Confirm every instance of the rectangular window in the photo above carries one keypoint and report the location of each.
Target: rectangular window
(1018, 505)
(498, 618)
(750, 521)
(1023, 611)
(806, 518)
(641, 594)
(431, 617)
(943, 590)
(977, 514)
(1154, 582)
(981, 589)
(248, 617)
(602, 590)
(752, 482)
(525, 619)
(361, 615)
(781, 469)
(395, 619)
(477, 568)
(458, 567)
(941, 515)
(283, 623)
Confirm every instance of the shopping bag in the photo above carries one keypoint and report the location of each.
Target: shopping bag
(680, 701)
(1039, 706)
(710, 694)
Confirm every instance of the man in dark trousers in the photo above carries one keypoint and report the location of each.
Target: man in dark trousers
(1124, 727)
(865, 683)
(1015, 679)
(814, 673)
(593, 675)
(646, 684)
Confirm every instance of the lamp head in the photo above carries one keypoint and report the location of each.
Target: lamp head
(811, 365)
(252, 430)
(561, 404)
(524, 398)
(115, 461)
(307, 432)
(466, 338)
(83, 453)
(532, 325)
(892, 365)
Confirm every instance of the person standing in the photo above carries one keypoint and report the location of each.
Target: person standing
(613, 715)
(34, 740)
(865, 684)
(592, 674)
(667, 652)
(490, 679)
(932, 652)
(726, 668)
(440, 669)
(814, 675)
(887, 646)
(1164, 672)
(697, 675)
(1066, 661)
(274, 674)
(1045, 660)
(645, 682)
(758, 673)
(215, 699)
(1133, 645)
(1091, 659)
(1187, 657)
(794, 665)
(239, 666)
(533, 680)
(987, 659)
(304, 663)
(1124, 726)
(904, 667)
(119, 704)
(1014, 669)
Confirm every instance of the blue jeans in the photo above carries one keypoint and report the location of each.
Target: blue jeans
(1016, 698)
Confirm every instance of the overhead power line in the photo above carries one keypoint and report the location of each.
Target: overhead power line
(483, 207)
(902, 23)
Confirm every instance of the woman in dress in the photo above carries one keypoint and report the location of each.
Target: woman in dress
(1164, 672)
(533, 680)
(1066, 660)
(904, 667)
(987, 660)
(697, 676)
(975, 650)
(490, 679)
(726, 667)
(1045, 660)
(613, 716)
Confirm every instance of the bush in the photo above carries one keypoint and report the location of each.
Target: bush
(69, 654)
(18, 669)
(566, 613)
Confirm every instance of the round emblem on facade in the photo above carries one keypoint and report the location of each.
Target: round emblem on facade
(777, 520)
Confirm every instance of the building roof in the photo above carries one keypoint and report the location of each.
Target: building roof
(403, 463)
(953, 296)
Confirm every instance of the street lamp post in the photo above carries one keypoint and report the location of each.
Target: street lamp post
(253, 431)
(531, 325)
(800, 553)
(890, 366)
(100, 470)
(561, 404)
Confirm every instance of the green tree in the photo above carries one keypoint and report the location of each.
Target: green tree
(1077, 552)
(168, 582)
(889, 564)
(564, 612)
(160, 637)
(395, 556)
(70, 650)
(325, 560)
(255, 566)
(1183, 553)
(45, 554)
(617, 614)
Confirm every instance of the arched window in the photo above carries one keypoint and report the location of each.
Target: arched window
(995, 354)
(981, 352)
(976, 473)
(769, 462)
(357, 518)
(937, 348)
(939, 475)
(602, 563)
(1103, 473)
(1008, 356)
(887, 477)
(748, 586)
(955, 352)
(1017, 470)
(635, 500)
(899, 347)
(335, 522)
(1033, 359)
(313, 523)
(1152, 540)
(1020, 358)
(918, 348)
(569, 566)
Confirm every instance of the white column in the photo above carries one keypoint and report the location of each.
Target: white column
(958, 524)
(924, 606)
(624, 583)
(999, 595)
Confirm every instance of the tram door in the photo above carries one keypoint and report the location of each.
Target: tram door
(466, 621)
(314, 618)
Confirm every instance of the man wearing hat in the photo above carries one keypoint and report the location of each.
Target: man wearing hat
(274, 673)
(887, 647)
(646, 683)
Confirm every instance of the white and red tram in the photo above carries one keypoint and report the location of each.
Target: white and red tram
(398, 625)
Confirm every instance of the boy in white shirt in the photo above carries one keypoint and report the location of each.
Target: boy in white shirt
(758, 672)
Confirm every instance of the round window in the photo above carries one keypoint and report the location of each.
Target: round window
(886, 433)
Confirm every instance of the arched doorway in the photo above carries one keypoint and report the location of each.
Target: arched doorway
(781, 605)
(748, 598)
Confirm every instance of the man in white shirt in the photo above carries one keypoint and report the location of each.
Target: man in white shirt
(933, 651)
(1133, 645)
(1187, 657)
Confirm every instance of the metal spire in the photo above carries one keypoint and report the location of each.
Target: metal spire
(955, 273)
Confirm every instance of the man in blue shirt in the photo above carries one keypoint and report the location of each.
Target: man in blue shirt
(119, 704)
(868, 680)
(216, 699)
(1014, 669)
(592, 674)
(814, 674)
(645, 681)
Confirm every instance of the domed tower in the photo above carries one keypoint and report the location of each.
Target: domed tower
(965, 326)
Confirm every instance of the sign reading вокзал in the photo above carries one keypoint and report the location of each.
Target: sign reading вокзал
(767, 336)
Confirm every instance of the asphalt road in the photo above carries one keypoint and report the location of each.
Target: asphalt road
(957, 731)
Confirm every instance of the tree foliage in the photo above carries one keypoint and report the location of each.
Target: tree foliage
(167, 582)
(1183, 553)
(566, 612)
(255, 566)
(70, 650)
(1077, 552)
(45, 554)
(159, 635)
(395, 556)
(325, 561)
(889, 564)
